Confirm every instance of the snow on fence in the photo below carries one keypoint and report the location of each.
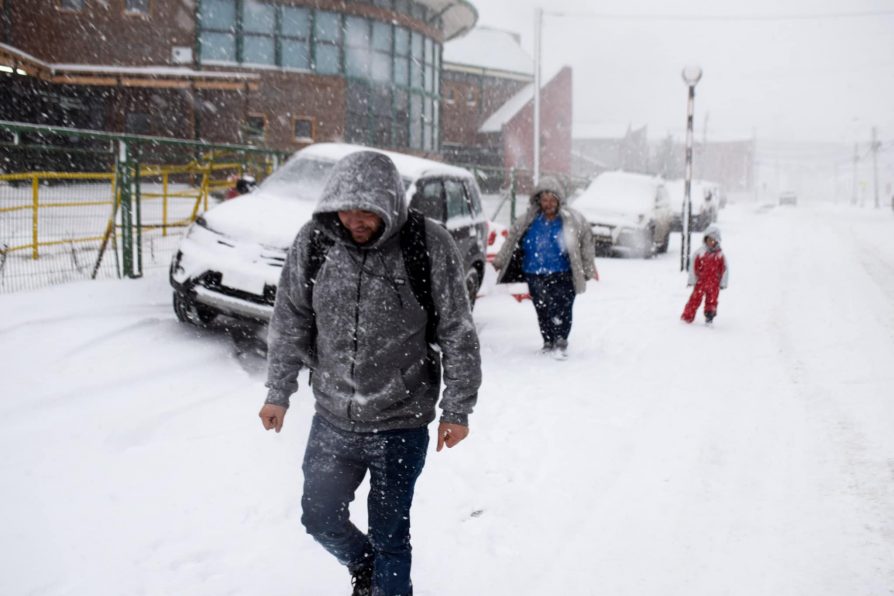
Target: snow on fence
(62, 227)
(81, 204)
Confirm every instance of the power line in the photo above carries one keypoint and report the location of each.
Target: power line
(716, 17)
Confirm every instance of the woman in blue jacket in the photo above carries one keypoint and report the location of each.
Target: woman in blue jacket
(550, 248)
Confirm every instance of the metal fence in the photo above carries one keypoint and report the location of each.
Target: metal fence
(77, 204)
(80, 204)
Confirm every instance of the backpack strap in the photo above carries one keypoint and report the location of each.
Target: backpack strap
(319, 245)
(414, 250)
(418, 264)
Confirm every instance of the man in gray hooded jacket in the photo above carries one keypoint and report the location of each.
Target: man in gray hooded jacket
(375, 378)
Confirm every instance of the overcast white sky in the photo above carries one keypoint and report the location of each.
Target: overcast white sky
(781, 78)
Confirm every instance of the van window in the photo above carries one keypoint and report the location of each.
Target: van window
(474, 196)
(457, 202)
(430, 199)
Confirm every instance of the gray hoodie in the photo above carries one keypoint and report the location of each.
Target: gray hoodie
(372, 367)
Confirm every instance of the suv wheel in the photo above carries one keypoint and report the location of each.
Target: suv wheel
(188, 311)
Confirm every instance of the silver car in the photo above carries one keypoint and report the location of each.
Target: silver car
(230, 260)
(629, 214)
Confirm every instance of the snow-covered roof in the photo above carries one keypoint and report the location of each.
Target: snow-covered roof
(139, 71)
(458, 16)
(151, 71)
(409, 166)
(508, 110)
(489, 49)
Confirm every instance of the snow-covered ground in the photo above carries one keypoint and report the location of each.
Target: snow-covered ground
(752, 458)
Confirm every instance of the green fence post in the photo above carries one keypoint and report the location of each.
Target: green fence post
(512, 196)
(123, 179)
(139, 214)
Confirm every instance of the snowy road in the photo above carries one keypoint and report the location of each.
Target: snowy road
(752, 458)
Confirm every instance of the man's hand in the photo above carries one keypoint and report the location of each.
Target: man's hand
(272, 416)
(451, 434)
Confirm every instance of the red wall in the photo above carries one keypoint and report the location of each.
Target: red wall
(555, 129)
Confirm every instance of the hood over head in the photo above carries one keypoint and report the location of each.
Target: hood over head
(714, 232)
(366, 181)
(548, 184)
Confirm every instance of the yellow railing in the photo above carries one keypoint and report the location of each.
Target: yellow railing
(36, 205)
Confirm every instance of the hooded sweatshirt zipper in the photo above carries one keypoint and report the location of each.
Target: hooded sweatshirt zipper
(356, 331)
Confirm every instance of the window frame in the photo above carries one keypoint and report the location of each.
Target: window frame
(61, 8)
(244, 126)
(419, 196)
(131, 12)
(313, 128)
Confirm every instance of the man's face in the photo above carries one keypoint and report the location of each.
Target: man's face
(710, 241)
(363, 225)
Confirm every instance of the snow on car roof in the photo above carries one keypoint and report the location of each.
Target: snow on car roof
(619, 190)
(409, 166)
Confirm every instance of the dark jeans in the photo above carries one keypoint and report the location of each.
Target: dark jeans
(553, 297)
(335, 463)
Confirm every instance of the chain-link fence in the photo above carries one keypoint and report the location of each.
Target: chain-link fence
(84, 205)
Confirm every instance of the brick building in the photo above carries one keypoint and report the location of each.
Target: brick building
(282, 73)
(488, 97)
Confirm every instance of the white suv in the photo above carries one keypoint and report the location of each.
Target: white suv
(230, 260)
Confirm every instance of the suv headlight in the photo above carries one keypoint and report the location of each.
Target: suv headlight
(200, 226)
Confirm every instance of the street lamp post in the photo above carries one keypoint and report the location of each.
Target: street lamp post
(691, 75)
(538, 32)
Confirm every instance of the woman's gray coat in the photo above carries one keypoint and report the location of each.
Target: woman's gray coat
(576, 234)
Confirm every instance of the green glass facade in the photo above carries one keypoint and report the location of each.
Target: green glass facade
(392, 72)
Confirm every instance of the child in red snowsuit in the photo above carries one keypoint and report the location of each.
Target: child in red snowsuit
(709, 273)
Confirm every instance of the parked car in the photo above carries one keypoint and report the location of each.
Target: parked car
(230, 259)
(788, 198)
(496, 236)
(704, 198)
(629, 214)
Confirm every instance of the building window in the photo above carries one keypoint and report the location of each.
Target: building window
(217, 38)
(295, 42)
(136, 6)
(75, 5)
(136, 123)
(254, 128)
(396, 104)
(401, 56)
(304, 129)
(258, 26)
(357, 47)
(380, 70)
(327, 42)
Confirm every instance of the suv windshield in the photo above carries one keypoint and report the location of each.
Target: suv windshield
(302, 179)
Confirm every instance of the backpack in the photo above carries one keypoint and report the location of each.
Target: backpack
(414, 249)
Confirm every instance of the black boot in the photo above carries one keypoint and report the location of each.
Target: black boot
(362, 581)
(709, 316)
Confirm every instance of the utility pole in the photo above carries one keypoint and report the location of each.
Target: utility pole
(538, 26)
(691, 76)
(875, 147)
